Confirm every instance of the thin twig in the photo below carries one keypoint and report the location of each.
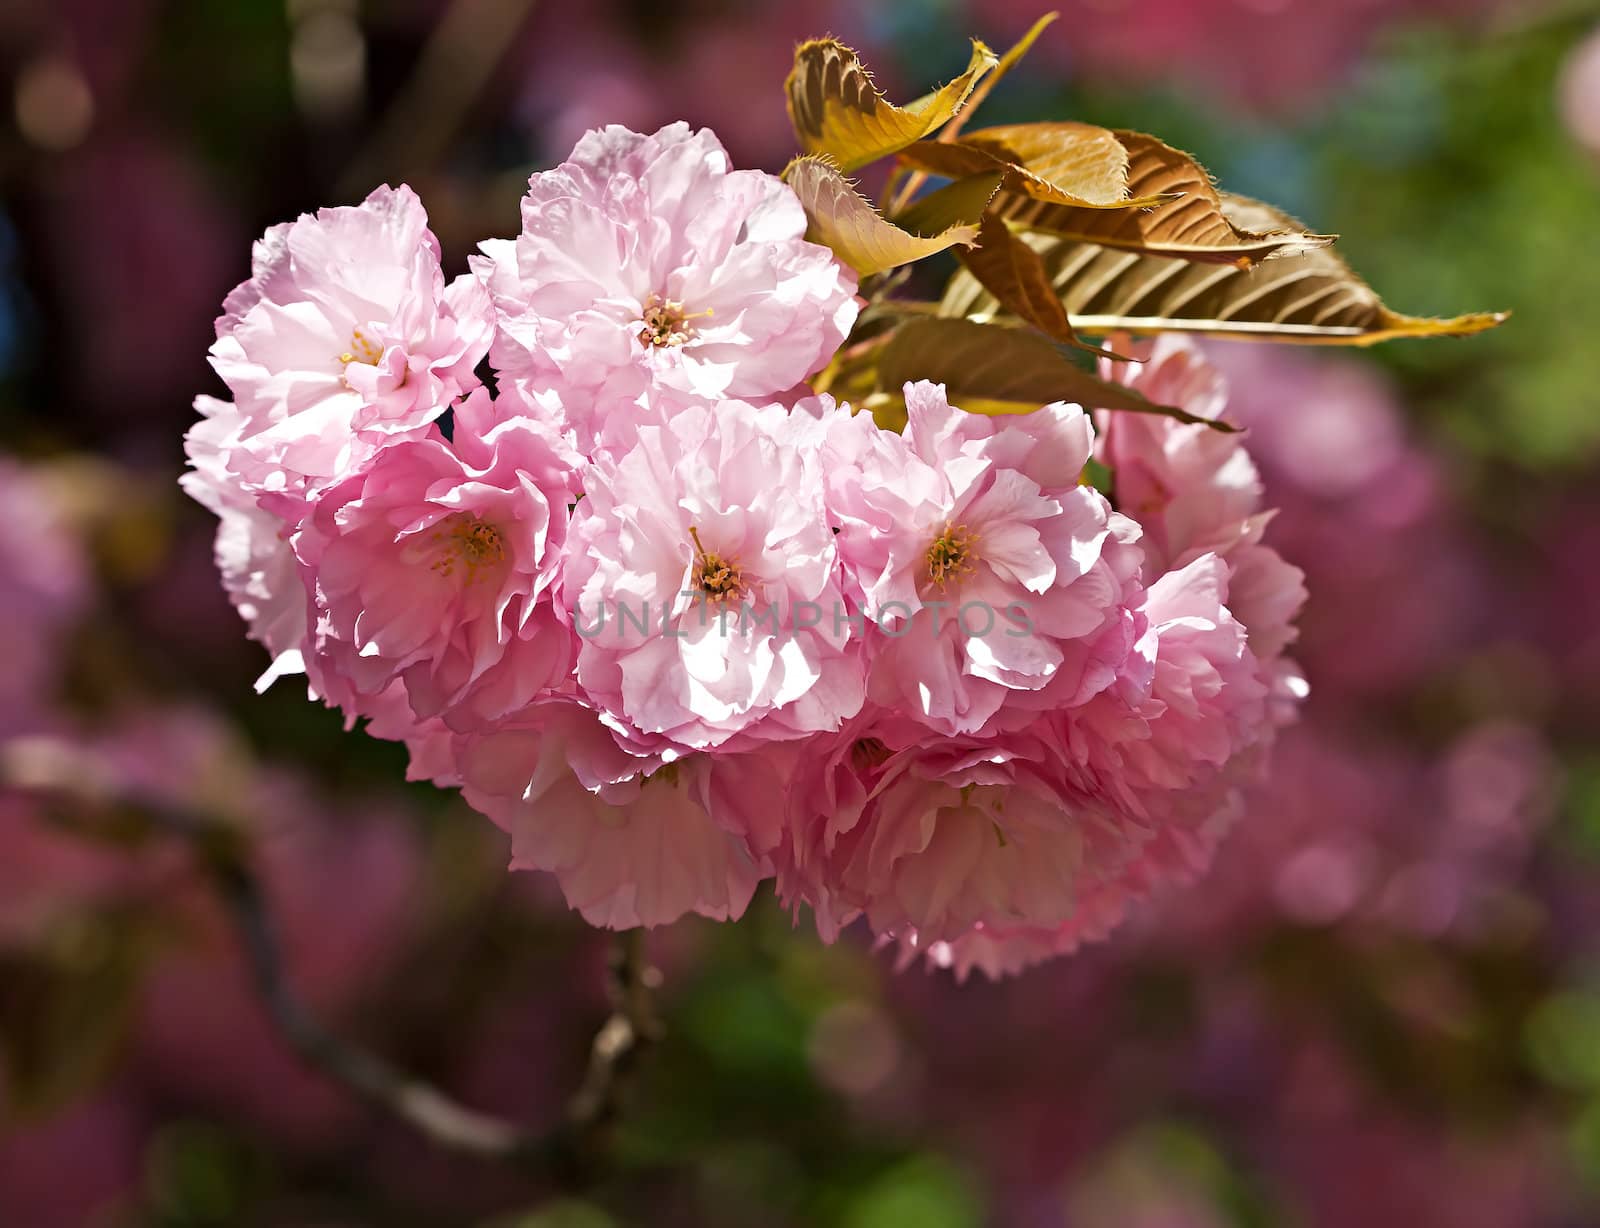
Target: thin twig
(426, 1109)
(54, 770)
(621, 1040)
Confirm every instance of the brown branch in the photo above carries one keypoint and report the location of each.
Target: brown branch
(54, 770)
(424, 1108)
(621, 1041)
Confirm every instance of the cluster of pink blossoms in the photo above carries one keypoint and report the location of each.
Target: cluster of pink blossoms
(680, 625)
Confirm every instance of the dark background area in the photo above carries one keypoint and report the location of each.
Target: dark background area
(1381, 1007)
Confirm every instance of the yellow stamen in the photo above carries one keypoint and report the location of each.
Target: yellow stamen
(362, 349)
(718, 578)
(666, 323)
(953, 554)
(471, 543)
(667, 774)
(868, 753)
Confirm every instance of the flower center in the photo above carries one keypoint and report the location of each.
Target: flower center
(362, 349)
(952, 555)
(867, 754)
(470, 543)
(718, 578)
(667, 774)
(666, 322)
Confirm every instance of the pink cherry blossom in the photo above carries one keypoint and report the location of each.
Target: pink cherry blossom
(1207, 682)
(252, 544)
(433, 565)
(644, 261)
(704, 582)
(632, 840)
(928, 838)
(1194, 489)
(1164, 761)
(653, 582)
(989, 570)
(345, 335)
(429, 742)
